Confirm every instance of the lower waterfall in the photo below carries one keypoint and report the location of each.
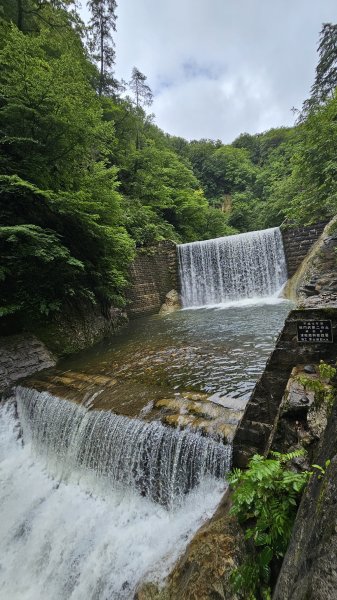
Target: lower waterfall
(160, 462)
(93, 530)
(237, 267)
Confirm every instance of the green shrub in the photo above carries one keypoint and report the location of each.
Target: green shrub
(265, 499)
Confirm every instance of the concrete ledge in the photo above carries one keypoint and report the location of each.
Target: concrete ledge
(255, 432)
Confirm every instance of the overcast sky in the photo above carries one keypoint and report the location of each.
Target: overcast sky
(219, 68)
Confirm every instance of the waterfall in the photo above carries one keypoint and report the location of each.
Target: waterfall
(237, 267)
(77, 535)
(159, 462)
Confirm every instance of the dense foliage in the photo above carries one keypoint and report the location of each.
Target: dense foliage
(265, 499)
(86, 175)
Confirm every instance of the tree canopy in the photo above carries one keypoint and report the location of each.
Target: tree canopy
(86, 176)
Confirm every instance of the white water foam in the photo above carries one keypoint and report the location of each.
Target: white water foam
(66, 541)
(245, 302)
(225, 270)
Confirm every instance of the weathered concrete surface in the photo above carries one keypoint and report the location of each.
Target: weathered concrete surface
(309, 570)
(203, 572)
(153, 274)
(20, 356)
(256, 430)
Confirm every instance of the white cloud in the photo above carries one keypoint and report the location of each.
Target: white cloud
(222, 67)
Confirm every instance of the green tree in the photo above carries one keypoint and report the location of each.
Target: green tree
(102, 46)
(50, 118)
(59, 202)
(142, 96)
(227, 170)
(312, 187)
(325, 82)
(29, 14)
(141, 91)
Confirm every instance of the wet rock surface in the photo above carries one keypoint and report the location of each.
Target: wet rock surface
(203, 572)
(302, 421)
(79, 328)
(317, 285)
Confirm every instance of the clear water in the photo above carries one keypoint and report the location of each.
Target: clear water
(215, 350)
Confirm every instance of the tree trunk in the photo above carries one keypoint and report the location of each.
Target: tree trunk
(20, 15)
(101, 78)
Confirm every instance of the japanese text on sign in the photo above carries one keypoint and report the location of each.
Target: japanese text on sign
(314, 331)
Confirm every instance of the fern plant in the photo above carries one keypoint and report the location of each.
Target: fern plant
(265, 499)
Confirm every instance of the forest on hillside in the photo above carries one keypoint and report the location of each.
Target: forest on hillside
(86, 176)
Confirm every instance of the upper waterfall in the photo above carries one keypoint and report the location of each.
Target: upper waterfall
(247, 265)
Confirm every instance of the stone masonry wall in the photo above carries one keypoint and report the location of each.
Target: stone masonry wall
(153, 274)
(155, 270)
(255, 432)
(297, 242)
(20, 356)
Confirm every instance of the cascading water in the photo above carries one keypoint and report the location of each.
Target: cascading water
(94, 502)
(237, 267)
(160, 462)
(93, 529)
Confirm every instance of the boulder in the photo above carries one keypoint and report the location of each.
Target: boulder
(171, 304)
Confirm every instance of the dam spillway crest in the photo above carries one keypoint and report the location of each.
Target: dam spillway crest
(112, 460)
(160, 462)
(237, 267)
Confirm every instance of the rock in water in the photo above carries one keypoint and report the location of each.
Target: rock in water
(171, 304)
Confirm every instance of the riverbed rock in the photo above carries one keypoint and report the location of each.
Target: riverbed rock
(171, 304)
(203, 572)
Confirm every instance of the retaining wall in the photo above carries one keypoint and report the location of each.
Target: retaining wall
(153, 274)
(256, 429)
(155, 270)
(297, 242)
